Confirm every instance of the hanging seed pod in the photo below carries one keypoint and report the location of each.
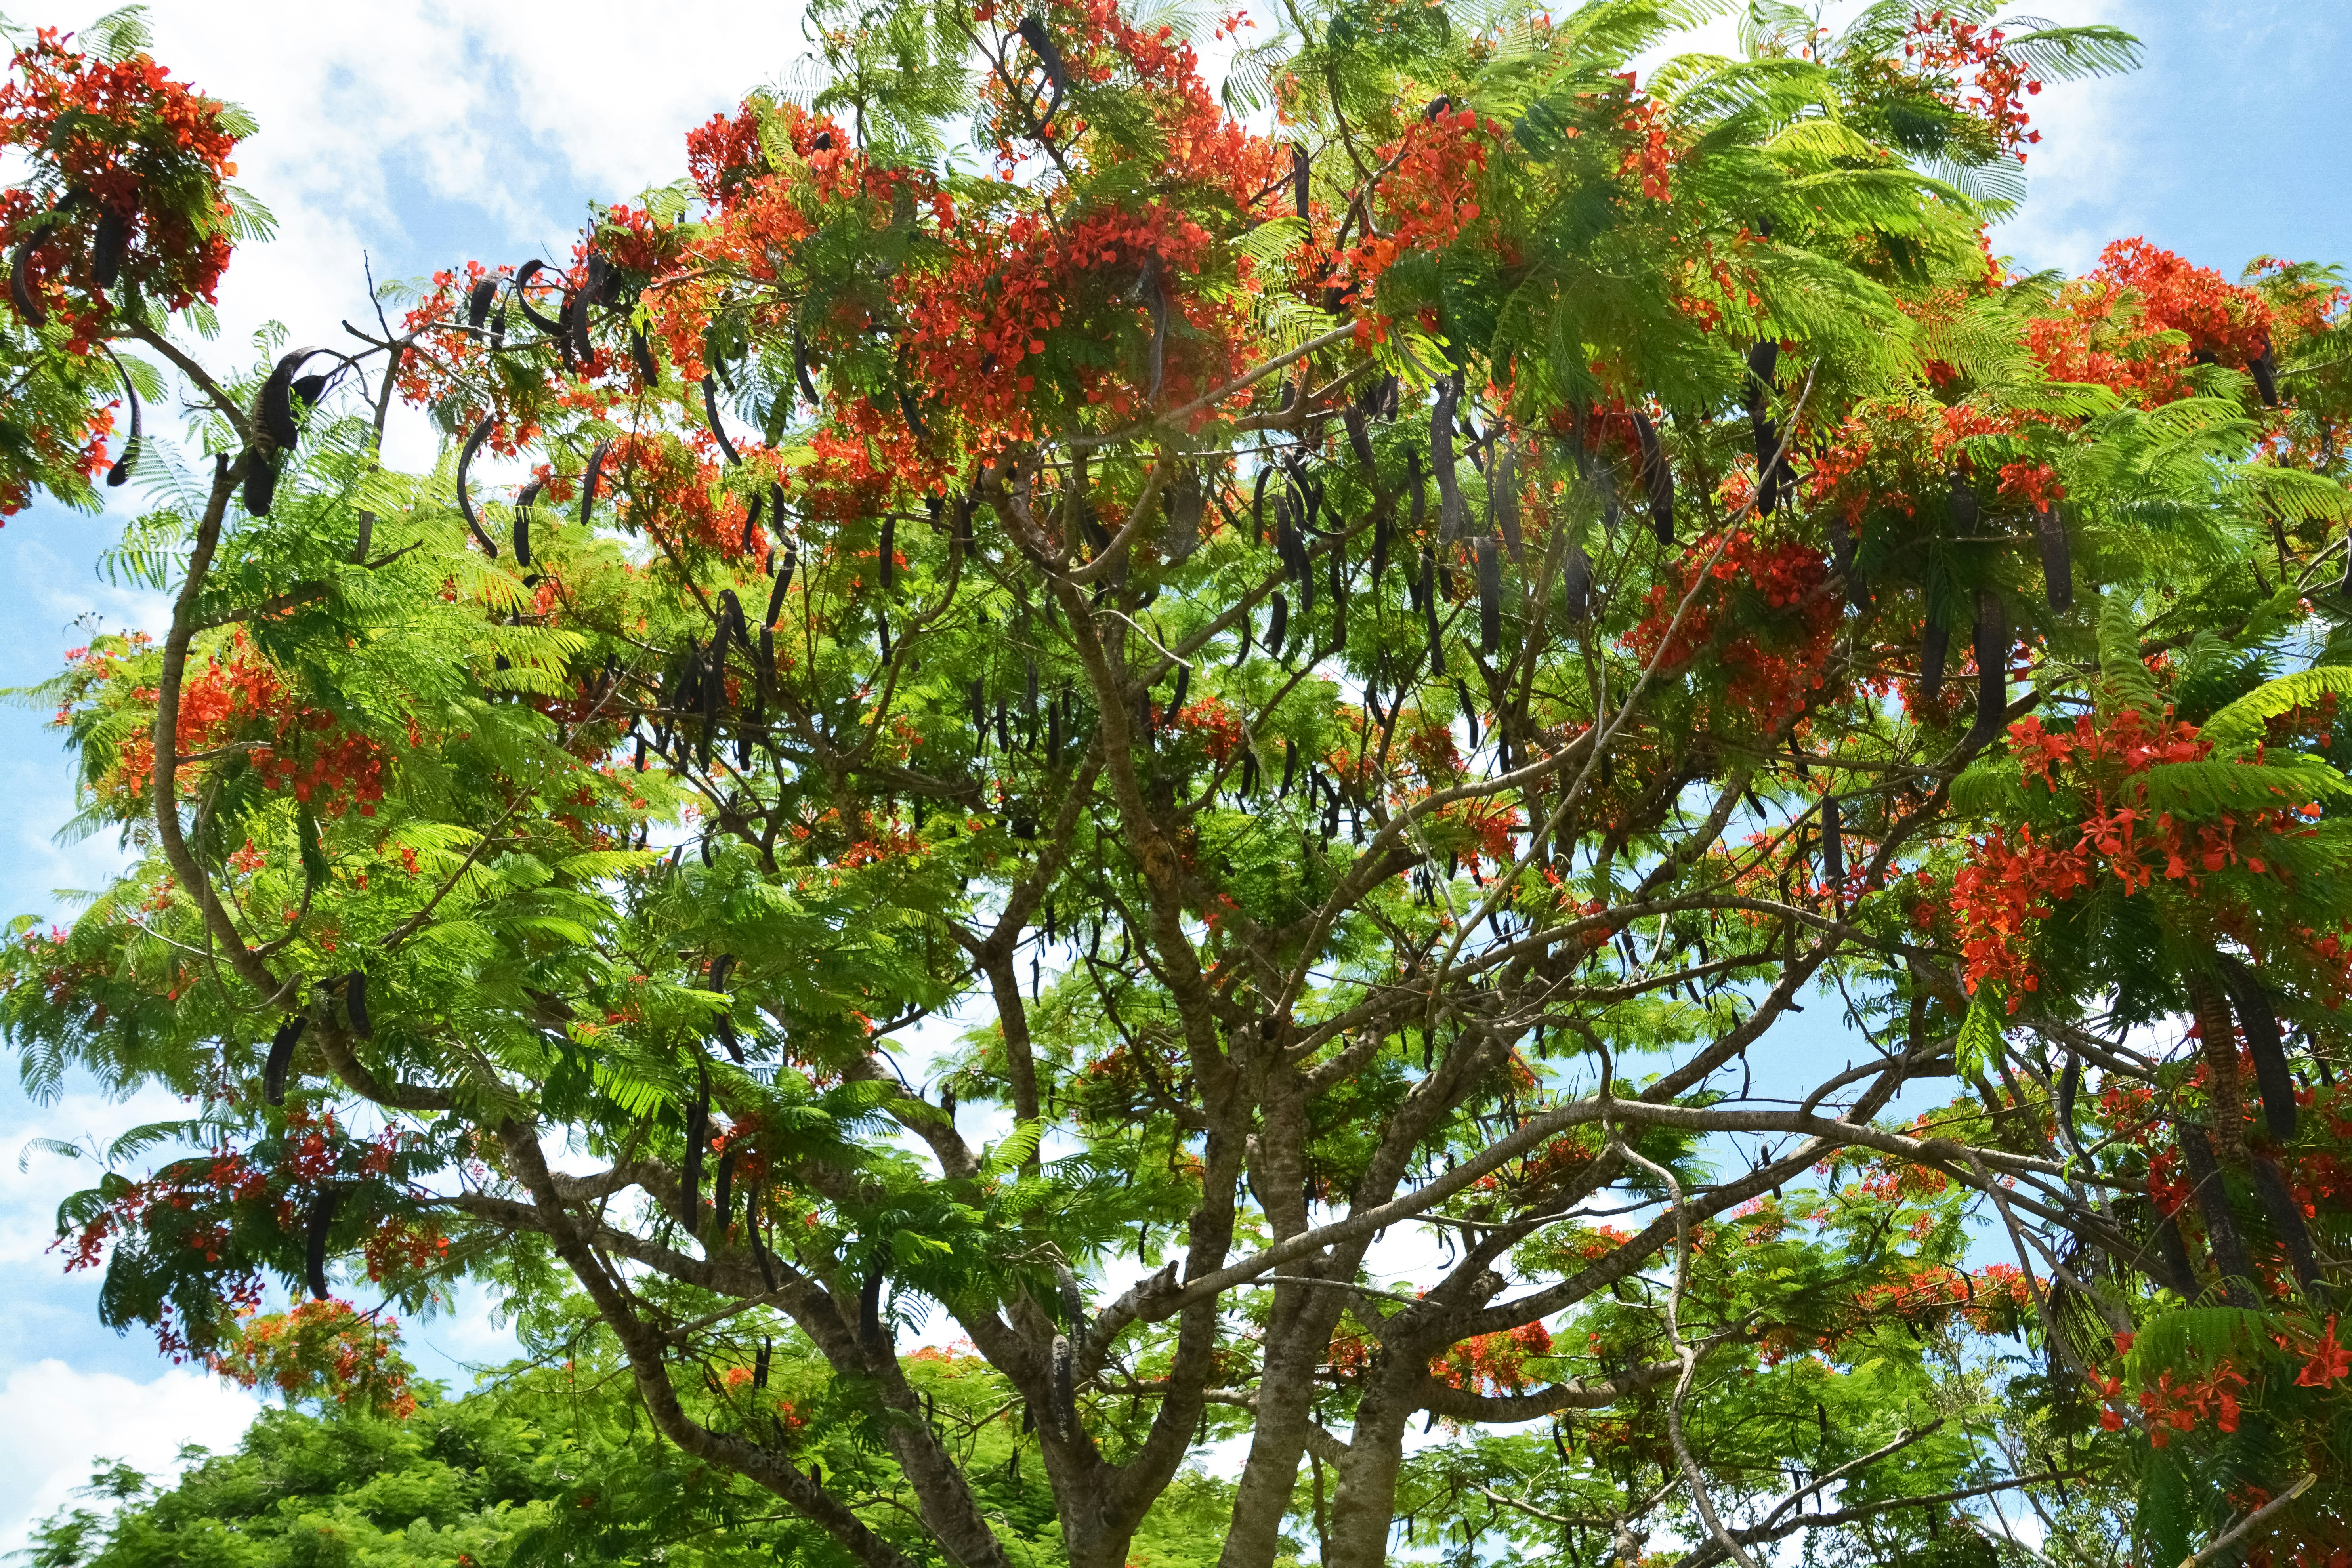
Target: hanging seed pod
(1289, 768)
(547, 324)
(261, 486)
(1338, 558)
(1184, 688)
(1033, 33)
(1184, 509)
(722, 1195)
(1451, 511)
(128, 459)
(912, 416)
(2057, 557)
(2264, 367)
(1576, 583)
(275, 407)
(1242, 633)
(697, 1134)
(1257, 503)
(2070, 1084)
(641, 754)
(1277, 626)
(2173, 1253)
(1842, 558)
(1418, 488)
(641, 353)
(523, 499)
(760, 1361)
(1935, 656)
(882, 634)
(111, 242)
(1992, 668)
(1763, 368)
(281, 1058)
(1490, 596)
(2217, 1034)
(710, 411)
(776, 594)
(1962, 506)
(355, 1006)
(1359, 440)
(314, 1250)
(2213, 1205)
(479, 301)
(20, 284)
(589, 480)
(2287, 1224)
(1833, 846)
(1429, 613)
(1286, 539)
(2259, 1021)
(466, 495)
(1657, 478)
(750, 522)
(1029, 691)
(1301, 169)
(1503, 488)
(886, 555)
(498, 328)
(1382, 512)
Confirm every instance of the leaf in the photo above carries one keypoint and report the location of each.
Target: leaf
(2209, 789)
(1980, 1045)
(2242, 723)
(2123, 680)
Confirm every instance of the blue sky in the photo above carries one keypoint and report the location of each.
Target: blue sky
(423, 133)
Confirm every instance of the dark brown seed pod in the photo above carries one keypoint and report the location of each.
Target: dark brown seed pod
(1657, 478)
(783, 580)
(1338, 558)
(314, 1251)
(2216, 1038)
(1490, 595)
(523, 274)
(355, 1006)
(576, 345)
(2287, 1223)
(1833, 846)
(697, 1134)
(498, 328)
(1301, 168)
(1934, 656)
(750, 522)
(1576, 583)
(2173, 1253)
(276, 404)
(466, 496)
(2057, 557)
(523, 500)
(20, 283)
(1034, 34)
(281, 1059)
(710, 411)
(260, 486)
(108, 245)
(912, 416)
(1992, 668)
(1360, 439)
(2264, 367)
(590, 480)
(1277, 626)
(886, 557)
(2213, 1205)
(641, 754)
(1962, 505)
(2070, 1084)
(1186, 503)
(128, 459)
(1383, 514)
(722, 1191)
(801, 370)
(642, 353)
(1289, 768)
(2259, 1021)
(1451, 511)
(1763, 369)
(1183, 689)
(1503, 486)
(1429, 611)
(479, 301)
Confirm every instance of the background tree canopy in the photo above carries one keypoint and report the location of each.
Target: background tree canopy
(1361, 646)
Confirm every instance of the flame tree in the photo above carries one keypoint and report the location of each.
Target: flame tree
(1026, 706)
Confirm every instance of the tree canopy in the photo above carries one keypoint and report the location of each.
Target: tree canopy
(1069, 771)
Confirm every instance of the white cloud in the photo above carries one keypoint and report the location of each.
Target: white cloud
(56, 1422)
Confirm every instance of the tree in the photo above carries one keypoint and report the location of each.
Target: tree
(1438, 621)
